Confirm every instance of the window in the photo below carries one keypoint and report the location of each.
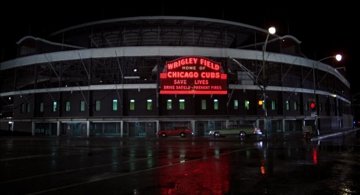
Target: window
(216, 104)
(22, 108)
(67, 106)
(203, 104)
(41, 107)
(82, 106)
(295, 105)
(169, 104)
(273, 105)
(182, 104)
(97, 105)
(247, 105)
(54, 106)
(132, 104)
(149, 104)
(236, 104)
(287, 105)
(115, 105)
(27, 107)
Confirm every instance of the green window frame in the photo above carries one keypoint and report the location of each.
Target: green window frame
(115, 105)
(273, 105)
(247, 105)
(169, 104)
(67, 106)
(132, 104)
(287, 105)
(149, 104)
(182, 104)
(203, 104)
(54, 106)
(236, 104)
(216, 104)
(82, 106)
(97, 105)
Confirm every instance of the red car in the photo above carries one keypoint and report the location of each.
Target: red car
(177, 131)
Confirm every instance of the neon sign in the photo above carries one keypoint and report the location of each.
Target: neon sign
(193, 75)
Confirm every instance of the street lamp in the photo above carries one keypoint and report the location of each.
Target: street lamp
(255, 78)
(271, 30)
(338, 58)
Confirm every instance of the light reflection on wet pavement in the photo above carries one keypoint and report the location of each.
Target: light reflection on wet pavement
(200, 165)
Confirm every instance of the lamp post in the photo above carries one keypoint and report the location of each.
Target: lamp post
(255, 78)
(338, 58)
(271, 31)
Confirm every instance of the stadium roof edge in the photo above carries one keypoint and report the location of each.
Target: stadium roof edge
(159, 18)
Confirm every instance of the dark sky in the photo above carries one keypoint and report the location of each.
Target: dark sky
(323, 29)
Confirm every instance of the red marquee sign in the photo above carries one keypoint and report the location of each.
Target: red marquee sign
(193, 75)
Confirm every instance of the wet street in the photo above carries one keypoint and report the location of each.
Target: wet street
(173, 165)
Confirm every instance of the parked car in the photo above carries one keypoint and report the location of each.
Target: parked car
(177, 131)
(240, 130)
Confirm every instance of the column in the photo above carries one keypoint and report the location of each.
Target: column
(87, 128)
(193, 126)
(57, 128)
(121, 128)
(32, 128)
(283, 125)
(227, 123)
(157, 126)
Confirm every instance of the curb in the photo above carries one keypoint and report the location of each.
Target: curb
(334, 134)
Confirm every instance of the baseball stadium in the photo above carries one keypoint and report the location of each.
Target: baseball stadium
(134, 77)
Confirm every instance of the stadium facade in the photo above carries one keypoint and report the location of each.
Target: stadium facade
(135, 76)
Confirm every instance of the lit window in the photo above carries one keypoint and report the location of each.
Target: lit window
(247, 105)
(236, 104)
(97, 105)
(182, 104)
(115, 105)
(287, 105)
(67, 106)
(295, 105)
(82, 106)
(203, 104)
(149, 104)
(41, 107)
(54, 106)
(216, 104)
(132, 104)
(169, 104)
(273, 105)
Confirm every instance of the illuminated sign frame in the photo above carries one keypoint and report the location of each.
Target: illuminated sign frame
(193, 75)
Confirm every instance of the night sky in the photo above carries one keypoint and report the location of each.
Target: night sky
(324, 30)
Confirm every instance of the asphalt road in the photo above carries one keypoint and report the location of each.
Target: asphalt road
(172, 165)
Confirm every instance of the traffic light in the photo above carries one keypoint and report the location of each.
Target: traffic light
(261, 104)
(312, 106)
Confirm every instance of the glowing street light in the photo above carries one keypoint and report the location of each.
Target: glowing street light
(272, 30)
(338, 57)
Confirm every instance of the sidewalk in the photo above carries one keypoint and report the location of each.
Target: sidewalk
(334, 134)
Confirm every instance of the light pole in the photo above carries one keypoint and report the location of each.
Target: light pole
(338, 58)
(272, 31)
(255, 78)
